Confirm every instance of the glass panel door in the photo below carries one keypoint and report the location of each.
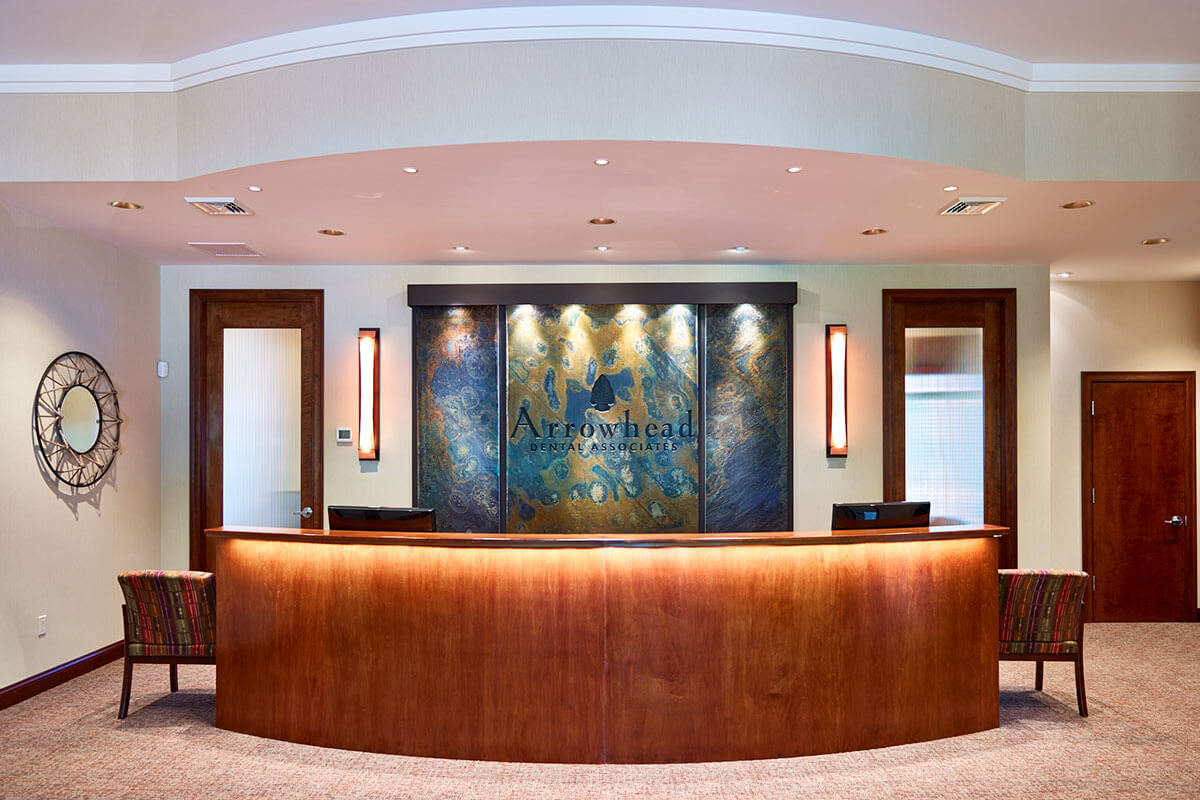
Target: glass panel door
(261, 418)
(944, 422)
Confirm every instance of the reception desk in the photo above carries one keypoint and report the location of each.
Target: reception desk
(606, 648)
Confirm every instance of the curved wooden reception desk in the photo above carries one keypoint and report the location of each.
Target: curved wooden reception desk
(622, 648)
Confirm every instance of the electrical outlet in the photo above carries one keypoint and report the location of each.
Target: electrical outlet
(42, 625)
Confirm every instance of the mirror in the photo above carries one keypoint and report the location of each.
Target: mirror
(76, 420)
(80, 419)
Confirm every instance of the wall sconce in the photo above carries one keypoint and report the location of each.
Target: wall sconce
(368, 394)
(835, 391)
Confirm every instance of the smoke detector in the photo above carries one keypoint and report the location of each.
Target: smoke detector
(219, 206)
(971, 206)
(225, 249)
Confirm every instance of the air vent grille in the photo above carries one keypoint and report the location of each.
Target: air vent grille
(226, 249)
(971, 206)
(220, 206)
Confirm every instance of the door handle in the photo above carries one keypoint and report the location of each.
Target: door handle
(1175, 521)
(306, 513)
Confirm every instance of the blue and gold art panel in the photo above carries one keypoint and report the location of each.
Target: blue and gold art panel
(456, 367)
(602, 418)
(747, 435)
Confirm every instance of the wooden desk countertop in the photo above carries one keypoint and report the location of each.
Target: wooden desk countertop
(588, 540)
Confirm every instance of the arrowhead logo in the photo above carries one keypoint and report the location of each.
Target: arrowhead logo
(603, 398)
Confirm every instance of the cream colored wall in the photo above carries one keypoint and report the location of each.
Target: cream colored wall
(88, 137)
(60, 552)
(1106, 327)
(376, 297)
(595, 90)
(1112, 137)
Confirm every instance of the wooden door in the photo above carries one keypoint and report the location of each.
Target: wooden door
(212, 311)
(994, 311)
(1139, 495)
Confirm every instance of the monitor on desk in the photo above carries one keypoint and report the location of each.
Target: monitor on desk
(896, 514)
(381, 518)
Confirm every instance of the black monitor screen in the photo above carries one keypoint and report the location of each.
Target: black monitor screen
(381, 518)
(898, 514)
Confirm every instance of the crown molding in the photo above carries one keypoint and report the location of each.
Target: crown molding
(671, 23)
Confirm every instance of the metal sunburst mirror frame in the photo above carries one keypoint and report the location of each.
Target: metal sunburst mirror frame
(76, 467)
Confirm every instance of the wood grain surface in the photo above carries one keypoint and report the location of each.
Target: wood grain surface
(606, 654)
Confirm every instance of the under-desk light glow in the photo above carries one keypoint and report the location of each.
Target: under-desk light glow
(835, 390)
(368, 394)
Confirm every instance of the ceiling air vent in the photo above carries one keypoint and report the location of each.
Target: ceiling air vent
(219, 206)
(225, 249)
(971, 206)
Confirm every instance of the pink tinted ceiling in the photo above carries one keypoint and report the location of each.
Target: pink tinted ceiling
(1036, 31)
(530, 202)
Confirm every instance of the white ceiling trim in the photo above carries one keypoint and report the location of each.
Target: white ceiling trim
(599, 22)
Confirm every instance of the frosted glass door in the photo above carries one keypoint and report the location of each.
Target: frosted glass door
(943, 422)
(261, 450)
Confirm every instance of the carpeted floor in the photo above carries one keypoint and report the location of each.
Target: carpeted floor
(1142, 740)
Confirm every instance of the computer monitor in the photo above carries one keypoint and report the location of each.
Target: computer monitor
(896, 514)
(381, 518)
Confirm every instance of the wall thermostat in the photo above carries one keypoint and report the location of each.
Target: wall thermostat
(345, 436)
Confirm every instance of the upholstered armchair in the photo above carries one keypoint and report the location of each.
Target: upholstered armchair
(170, 618)
(1041, 619)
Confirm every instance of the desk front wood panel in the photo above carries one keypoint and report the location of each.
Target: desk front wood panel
(607, 653)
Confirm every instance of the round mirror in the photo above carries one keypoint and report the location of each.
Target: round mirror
(80, 419)
(76, 419)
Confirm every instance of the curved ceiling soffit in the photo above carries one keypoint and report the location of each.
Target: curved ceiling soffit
(491, 25)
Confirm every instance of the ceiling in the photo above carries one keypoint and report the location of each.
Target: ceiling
(147, 32)
(529, 203)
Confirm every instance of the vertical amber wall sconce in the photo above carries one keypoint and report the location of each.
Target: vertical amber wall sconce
(368, 394)
(835, 391)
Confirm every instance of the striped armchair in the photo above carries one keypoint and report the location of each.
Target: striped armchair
(1041, 619)
(170, 618)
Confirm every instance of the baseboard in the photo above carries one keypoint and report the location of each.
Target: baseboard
(23, 690)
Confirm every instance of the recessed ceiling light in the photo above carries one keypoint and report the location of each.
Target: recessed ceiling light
(794, 170)
(873, 231)
(950, 188)
(601, 162)
(411, 170)
(741, 248)
(127, 205)
(602, 248)
(254, 188)
(461, 248)
(1063, 274)
(331, 232)
(601, 221)
(1159, 240)
(1078, 204)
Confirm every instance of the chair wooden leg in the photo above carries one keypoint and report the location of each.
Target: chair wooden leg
(1037, 680)
(123, 709)
(174, 677)
(1080, 691)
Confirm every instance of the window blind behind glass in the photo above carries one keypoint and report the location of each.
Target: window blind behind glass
(943, 422)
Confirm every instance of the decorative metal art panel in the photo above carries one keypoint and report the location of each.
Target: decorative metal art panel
(747, 435)
(602, 418)
(456, 360)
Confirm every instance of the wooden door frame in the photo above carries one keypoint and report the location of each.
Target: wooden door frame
(1086, 381)
(211, 311)
(994, 310)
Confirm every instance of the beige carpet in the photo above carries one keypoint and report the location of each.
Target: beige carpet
(1142, 740)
